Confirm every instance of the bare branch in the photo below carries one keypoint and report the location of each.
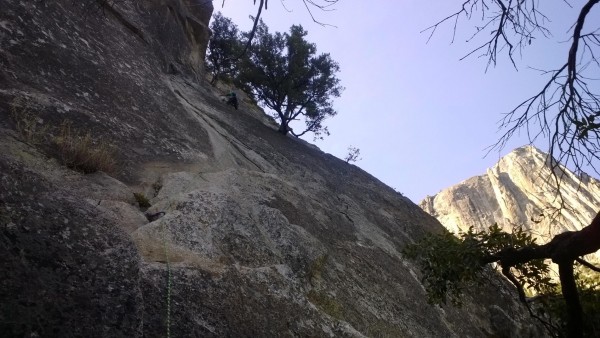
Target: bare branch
(264, 4)
(566, 110)
(587, 264)
(511, 25)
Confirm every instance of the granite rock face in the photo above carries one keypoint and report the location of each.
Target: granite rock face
(518, 191)
(262, 234)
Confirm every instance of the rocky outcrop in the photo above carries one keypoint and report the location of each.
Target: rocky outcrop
(519, 190)
(262, 234)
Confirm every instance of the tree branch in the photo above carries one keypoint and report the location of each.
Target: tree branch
(264, 4)
(587, 264)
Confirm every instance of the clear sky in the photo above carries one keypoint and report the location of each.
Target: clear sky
(421, 118)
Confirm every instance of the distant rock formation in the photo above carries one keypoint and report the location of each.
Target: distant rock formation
(262, 235)
(518, 191)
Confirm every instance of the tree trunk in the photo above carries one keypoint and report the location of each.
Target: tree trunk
(572, 244)
(571, 296)
(283, 128)
(214, 79)
(563, 249)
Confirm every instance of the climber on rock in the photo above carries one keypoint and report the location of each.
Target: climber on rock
(231, 99)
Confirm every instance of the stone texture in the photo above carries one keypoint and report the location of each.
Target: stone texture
(263, 235)
(518, 191)
(66, 270)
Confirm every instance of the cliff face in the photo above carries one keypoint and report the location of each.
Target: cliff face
(262, 235)
(518, 191)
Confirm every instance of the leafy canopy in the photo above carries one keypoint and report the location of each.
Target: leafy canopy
(284, 73)
(223, 48)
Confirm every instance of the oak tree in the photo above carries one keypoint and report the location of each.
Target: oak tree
(284, 73)
(224, 46)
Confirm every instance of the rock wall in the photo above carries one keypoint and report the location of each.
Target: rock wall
(262, 234)
(518, 191)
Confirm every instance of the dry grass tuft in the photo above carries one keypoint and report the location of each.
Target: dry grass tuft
(27, 124)
(82, 153)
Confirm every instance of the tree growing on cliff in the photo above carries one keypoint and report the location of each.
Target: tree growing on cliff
(223, 48)
(284, 73)
(353, 155)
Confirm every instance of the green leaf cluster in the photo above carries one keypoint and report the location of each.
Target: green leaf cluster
(223, 48)
(280, 71)
(284, 73)
(534, 274)
(450, 264)
(553, 306)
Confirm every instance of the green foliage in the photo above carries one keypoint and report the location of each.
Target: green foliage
(452, 264)
(533, 275)
(280, 71)
(449, 265)
(224, 48)
(142, 200)
(284, 73)
(589, 291)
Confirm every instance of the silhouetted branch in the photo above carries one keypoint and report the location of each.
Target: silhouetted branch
(587, 264)
(323, 5)
(566, 110)
(563, 249)
(510, 24)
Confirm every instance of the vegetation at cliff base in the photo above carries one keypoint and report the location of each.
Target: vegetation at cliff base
(452, 265)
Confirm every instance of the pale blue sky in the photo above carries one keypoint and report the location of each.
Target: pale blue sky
(420, 117)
